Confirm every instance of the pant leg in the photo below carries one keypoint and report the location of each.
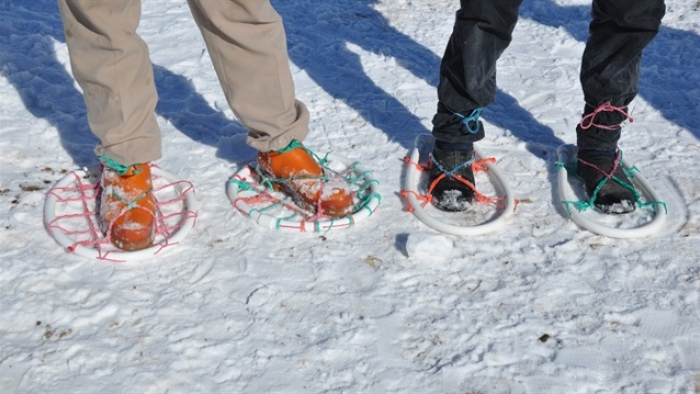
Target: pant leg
(110, 62)
(248, 47)
(610, 67)
(482, 31)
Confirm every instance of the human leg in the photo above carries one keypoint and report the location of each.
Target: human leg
(619, 32)
(248, 47)
(482, 31)
(110, 62)
(610, 67)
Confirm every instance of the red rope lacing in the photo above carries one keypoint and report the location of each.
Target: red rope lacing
(85, 194)
(477, 166)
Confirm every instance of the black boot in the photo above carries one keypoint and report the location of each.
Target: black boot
(612, 197)
(450, 194)
(596, 136)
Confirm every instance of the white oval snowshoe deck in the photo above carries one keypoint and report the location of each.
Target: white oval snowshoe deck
(565, 154)
(276, 216)
(71, 217)
(423, 146)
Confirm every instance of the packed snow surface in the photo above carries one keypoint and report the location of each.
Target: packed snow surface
(388, 305)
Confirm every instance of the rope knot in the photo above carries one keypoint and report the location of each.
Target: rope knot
(472, 119)
(587, 121)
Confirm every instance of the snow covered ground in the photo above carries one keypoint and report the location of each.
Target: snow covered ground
(540, 306)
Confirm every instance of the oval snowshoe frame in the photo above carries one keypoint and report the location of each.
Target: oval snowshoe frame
(323, 224)
(564, 154)
(184, 227)
(424, 143)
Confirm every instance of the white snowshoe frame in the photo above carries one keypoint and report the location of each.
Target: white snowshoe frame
(99, 249)
(423, 143)
(565, 154)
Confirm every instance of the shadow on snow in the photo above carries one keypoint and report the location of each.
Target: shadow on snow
(48, 91)
(318, 32)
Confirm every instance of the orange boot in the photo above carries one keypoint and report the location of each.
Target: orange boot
(133, 229)
(302, 178)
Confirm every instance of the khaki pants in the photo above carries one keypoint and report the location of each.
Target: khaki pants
(247, 45)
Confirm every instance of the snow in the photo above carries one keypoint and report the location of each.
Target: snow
(428, 247)
(539, 306)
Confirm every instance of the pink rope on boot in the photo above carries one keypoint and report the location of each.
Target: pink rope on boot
(587, 121)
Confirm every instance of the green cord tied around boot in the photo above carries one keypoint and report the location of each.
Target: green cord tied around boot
(297, 144)
(118, 167)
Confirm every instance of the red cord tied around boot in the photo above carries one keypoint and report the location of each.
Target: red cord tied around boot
(587, 121)
(476, 164)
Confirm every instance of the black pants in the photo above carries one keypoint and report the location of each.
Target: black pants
(619, 32)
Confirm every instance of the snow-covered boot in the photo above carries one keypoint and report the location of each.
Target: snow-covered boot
(599, 165)
(127, 206)
(451, 179)
(299, 175)
(607, 185)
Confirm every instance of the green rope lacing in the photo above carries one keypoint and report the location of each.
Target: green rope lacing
(266, 208)
(364, 201)
(350, 175)
(268, 181)
(584, 205)
(118, 167)
(278, 222)
(242, 185)
(292, 145)
(296, 144)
